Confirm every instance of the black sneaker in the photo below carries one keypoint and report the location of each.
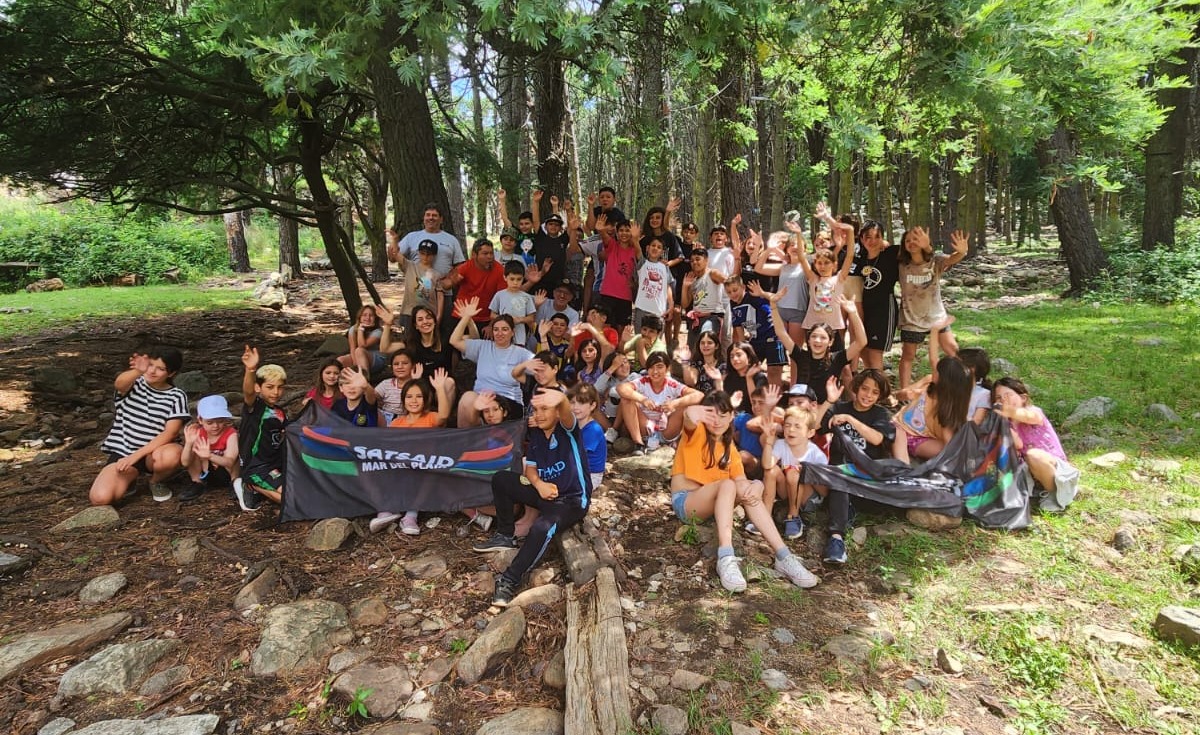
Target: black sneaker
(505, 591)
(498, 542)
(247, 498)
(835, 551)
(192, 491)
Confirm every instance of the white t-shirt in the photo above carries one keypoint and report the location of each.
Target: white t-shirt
(654, 283)
(449, 254)
(494, 366)
(980, 398)
(671, 390)
(722, 261)
(516, 305)
(787, 460)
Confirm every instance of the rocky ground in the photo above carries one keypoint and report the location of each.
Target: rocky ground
(197, 618)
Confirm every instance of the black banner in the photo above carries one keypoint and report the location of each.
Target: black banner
(337, 470)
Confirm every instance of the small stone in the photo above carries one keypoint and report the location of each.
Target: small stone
(1003, 366)
(948, 663)
(418, 711)
(859, 536)
(1180, 624)
(670, 720)
(547, 594)
(851, 647)
(184, 550)
(541, 576)
(917, 683)
(1135, 518)
(57, 726)
(688, 681)
(775, 680)
(11, 564)
(1163, 466)
(369, 613)
(1112, 459)
(526, 721)
(499, 561)
(1004, 565)
(407, 728)
(328, 534)
(499, 640)
(887, 530)
(1122, 539)
(343, 660)
(389, 685)
(429, 566)
(1162, 412)
(164, 680)
(186, 725)
(53, 380)
(98, 516)
(1116, 637)
(1093, 408)
(871, 633)
(931, 521)
(737, 728)
(1151, 342)
(783, 636)
(435, 671)
(256, 591)
(555, 673)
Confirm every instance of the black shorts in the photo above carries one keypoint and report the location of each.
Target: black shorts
(772, 352)
(140, 465)
(620, 311)
(916, 337)
(217, 477)
(880, 321)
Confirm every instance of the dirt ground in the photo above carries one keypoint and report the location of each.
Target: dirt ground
(679, 617)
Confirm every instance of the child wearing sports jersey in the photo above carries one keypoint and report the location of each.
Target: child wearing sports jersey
(651, 404)
(708, 481)
(357, 404)
(210, 448)
(555, 482)
(261, 435)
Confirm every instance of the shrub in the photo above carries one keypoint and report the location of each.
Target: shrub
(89, 244)
(1167, 274)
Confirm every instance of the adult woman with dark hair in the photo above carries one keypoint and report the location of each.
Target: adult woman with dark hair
(494, 360)
(427, 346)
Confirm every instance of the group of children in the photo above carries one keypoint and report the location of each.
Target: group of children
(580, 384)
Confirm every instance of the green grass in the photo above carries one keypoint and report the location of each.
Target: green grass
(64, 308)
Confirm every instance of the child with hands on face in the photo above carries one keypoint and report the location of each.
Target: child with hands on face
(210, 448)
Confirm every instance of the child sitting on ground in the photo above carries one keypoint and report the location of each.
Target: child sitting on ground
(210, 448)
(584, 402)
(782, 459)
(150, 411)
(555, 482)
(325, 392)
(1038, 443)
(357, 404)
(261, 435)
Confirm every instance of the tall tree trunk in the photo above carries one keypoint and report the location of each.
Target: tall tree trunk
(406, 133)
(550, 128)
(937, 230)
(289, 229)
(1086, 261)
(652, 125)
(235, 240)
(706, 178)
(779, 167)
(511, 88)
(1166, 155)
(919, 213)
(733, 153)
(451, 165)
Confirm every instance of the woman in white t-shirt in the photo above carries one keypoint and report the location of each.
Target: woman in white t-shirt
(494, 360)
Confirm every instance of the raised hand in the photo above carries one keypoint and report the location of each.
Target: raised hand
(602, 220)
(833, 390)
(626, 334)
(468, 308)
(714, 373)
(386, 316)
(418, 370)
(943, 324)
(438, 381)
(591, 199)
(538, 194)
(139, 362)
(823, 212)
(771, 397)
(543, 327)
(189, 433)
(539, 297)
(921, 235)
(553, 203)
(737, 220)
(352, 376)
(250, 358)
(484, 399)
(776, 297)
(673, 205)
(755, 289)
(547, 397)
(793, 227)
(735, 400)
(846, 304)
(960, 241)
(200, 447)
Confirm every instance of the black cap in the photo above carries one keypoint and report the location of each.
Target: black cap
(554, 218)
(427, 246)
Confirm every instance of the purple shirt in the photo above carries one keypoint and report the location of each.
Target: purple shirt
(1039, 436)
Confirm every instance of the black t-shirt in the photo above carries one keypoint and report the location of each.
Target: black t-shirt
(877, 417)
(614, 215)
(555, 248)
(749, 275)
(815, 373)
(261, 437)
(431, 359)
(364, 414)
(734, 382)
(880, 275)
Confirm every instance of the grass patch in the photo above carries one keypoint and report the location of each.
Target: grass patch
(61, 308)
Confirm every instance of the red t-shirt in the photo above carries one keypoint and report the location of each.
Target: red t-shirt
(481, 283)
(609, 333)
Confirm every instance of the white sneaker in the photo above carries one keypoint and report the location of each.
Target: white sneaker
(610, 435)
(381, 521)
(791, 567)
(409, 525)
(731, 574)
(483, 520)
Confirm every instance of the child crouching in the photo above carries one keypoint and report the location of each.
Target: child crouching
(262, 433)
(210, 448)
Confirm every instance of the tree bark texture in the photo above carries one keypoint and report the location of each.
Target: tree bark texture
(289, 229)
(733, 153)
(1166, 156)
(235, 240)
(550, 128)
(1086, 261)
(453, 167)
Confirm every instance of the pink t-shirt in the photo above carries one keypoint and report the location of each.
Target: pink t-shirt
(619, 271)
(1040, 436)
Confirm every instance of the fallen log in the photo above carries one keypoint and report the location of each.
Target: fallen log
(597, 661)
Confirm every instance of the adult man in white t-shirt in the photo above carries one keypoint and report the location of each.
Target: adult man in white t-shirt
(450, 252)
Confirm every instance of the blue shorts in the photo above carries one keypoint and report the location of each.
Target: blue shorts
(678, 500)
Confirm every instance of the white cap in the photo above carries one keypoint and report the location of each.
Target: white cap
(213, 407)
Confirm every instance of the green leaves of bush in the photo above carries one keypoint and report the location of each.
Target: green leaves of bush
(88, 244)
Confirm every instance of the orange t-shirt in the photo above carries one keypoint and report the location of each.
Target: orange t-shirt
(690, 458)
(428, 421)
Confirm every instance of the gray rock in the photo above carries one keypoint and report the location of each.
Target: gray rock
(917, 683)
(102, 588)
(115, 669)
(1111, 459)
(328, 534)
(1189, 563)
(36, 648)
(193, 382)
(164, 680)
(859, 536)
(737, 728)
(499, 560)
(775, 680)
(1116, 637)
(390, 687)
(948, 663)
(1163, 466)
(439, 669)
(57, 726)
(184, 550)
(1162, 412)
(555, 674)
(98, 516)
(297, 635)
(343, 660)
(1123, 539)
(334, 345)
(428, 566)
(851, 647)
(670, 720)
(688, 681)
(654, 467)
(871, 633)
(1093, 408)
(547, 594)
(256, 590)
(54, 380)
(1177, 623)
(11, 564)
(526, 721)
(1151, 342)
(1135, 518)
(186, 725)
(369, 613)
(1088, 442)
(783, 636)
(499, 640)
(1000, 366)
(931, 521)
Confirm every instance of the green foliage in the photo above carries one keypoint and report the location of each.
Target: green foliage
(459, 646)
(1039, 665)
(358, 703)
(1167, 274)
(88, 244)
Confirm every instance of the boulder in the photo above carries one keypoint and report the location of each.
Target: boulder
(1116, 637)
(33, 649)
(57, 726)
(429, 566)
(1000, 366)
(390, 687)
(11, 563)
(1162, 412)
(688, 681)
(555, 673)
(526, 721)
(165, 680)
(334, 345)
(652, 467)
(184, 550)
(437, 670)
(849, 647)
(256, 590)
(102, 588)
(931, 521)
(97, 516)
(55, 381)
(670, 720)
(1180, 624)
(115, 669)
(329, 534)
(194, 382)
(776, 680)
(186, 725)
(547, 594)
(1093, 408)
(1111, 459)
(369, 613)
(297, 636)
(497, 641)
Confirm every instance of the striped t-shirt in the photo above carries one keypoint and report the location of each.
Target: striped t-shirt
(141, 415)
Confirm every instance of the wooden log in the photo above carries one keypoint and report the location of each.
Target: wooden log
(579, 719)
(603, 551)
(579, 555)
(610, 658)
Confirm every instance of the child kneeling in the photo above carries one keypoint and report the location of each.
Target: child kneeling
(707, 481)
(555, 482)
(210, 448)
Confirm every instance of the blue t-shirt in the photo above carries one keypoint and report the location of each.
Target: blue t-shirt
(747, 440)
(364, 414)
(494, 366)
(753, 314)
(559, 459)
(595, 445)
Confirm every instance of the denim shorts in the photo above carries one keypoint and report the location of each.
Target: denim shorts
(678, 500)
